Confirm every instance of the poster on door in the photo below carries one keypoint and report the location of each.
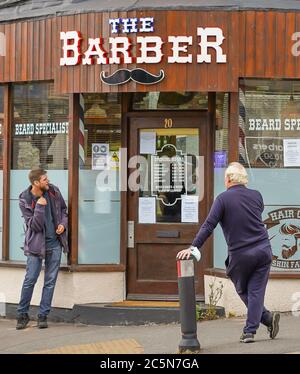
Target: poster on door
(169, 175)
(100, 156)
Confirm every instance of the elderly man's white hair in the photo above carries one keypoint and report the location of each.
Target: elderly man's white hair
(236, 173)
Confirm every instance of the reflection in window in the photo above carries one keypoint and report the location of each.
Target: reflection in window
(221, 134)
(40, 128)
(170, 101)
(99, 209)
(220, 163)
(39, 140)
(269, 147)
(102, 125)
(269, 114)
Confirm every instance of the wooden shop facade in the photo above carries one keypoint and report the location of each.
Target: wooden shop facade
(113, 102)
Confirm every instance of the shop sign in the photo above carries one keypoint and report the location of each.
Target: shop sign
(284, 232)
(273, 124)
(148, 49)
(272, 150)
(46, 128)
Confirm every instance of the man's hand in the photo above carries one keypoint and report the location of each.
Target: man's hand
(186, 253)
(60, 229)
(42, 201)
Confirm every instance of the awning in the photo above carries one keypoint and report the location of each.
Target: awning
(22, 9)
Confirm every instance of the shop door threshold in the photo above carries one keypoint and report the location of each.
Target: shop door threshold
(153, 297)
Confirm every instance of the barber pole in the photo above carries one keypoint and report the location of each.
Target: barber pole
(81, 132)
(187, 300)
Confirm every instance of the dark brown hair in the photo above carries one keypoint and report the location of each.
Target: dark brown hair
(36, 174)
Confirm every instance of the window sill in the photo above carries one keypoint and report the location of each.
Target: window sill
(273, 275)
(71, 268)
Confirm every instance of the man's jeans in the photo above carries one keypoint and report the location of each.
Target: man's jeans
(33, 269)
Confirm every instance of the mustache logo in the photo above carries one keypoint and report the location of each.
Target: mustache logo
(138, 75)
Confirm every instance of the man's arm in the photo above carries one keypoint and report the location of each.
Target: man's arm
(206, 229)
(64, 220)
(213, 218)
(34, 219)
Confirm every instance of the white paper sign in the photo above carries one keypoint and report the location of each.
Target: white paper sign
(100, 156)
(148, 142)
(189, 208)
(291, 152)
(147, 211)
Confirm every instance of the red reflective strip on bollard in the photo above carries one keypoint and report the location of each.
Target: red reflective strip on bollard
(179, 269)
(185, 268)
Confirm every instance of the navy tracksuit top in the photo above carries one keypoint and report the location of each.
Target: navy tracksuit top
(239, 212)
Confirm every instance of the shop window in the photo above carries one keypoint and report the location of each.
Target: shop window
(39, 140)
(269, 147)
(170, 101)
(220, 163)
(99, 195)
(1, 160)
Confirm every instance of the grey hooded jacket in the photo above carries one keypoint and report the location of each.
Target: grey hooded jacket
(34, 216)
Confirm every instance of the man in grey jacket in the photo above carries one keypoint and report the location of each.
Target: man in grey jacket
(45, 213)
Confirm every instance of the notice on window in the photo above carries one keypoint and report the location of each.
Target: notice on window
(147, 211)
(100, 156)
(189, 208)
(291, 152)
(148, 142)
(114, 160)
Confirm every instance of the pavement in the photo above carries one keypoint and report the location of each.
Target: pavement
(218, 336)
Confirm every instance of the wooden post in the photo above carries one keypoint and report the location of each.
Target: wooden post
(73, 177)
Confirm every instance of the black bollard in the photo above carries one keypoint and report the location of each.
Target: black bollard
(187, 300)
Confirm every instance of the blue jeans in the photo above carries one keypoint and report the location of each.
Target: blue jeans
(33, 269)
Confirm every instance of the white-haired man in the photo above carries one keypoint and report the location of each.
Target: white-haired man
(239, 212)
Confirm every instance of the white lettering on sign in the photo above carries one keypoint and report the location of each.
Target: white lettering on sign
(147, 24)
(41, 128)
(148, 48)
(95, 49)
(205, 44)
(155, 47)
(72, 49)
(130, 25)
(120, 45)
(273, 124)
(295, 47)
(178, 48)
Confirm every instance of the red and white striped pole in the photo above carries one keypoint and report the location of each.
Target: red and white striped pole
(187, 300)
(81, 132)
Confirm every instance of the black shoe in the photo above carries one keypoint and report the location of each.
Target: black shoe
(22, 321)
(274, 327)
(42, 322)
(247, 337)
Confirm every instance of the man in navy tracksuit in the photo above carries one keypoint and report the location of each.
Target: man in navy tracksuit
(239, 212)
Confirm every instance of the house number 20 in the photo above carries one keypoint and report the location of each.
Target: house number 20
(168, 123)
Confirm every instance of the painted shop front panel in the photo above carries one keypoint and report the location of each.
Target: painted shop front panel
(136, 115)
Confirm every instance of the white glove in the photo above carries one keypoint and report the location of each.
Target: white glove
(195, 252)
(185, 253)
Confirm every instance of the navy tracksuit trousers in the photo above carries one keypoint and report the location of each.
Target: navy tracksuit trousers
(249, 271)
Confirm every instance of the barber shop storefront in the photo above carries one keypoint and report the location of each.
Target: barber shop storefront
(135, 114)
